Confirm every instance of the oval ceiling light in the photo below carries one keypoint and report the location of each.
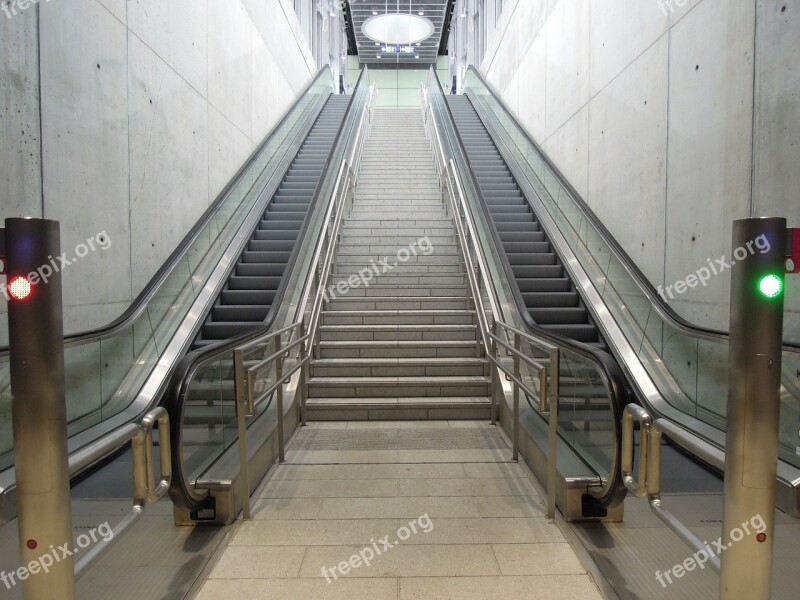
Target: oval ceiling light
(398, 29)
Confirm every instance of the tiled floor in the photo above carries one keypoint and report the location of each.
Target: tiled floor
(480, 527)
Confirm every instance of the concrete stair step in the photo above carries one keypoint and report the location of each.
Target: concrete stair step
(413, 233)
(397, 332)
(398, 409)
(408, 289)
(397, 387)
(399, 367)
(384, 238)
(398, 317)
(400, 349)
(396, 303)
(369, 247)
(413, 282)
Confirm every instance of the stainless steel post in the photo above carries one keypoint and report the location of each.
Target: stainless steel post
(552, 451)
(518, 375)
(303, 383)
(751, 449)
(279, 399)
(39, 409)
(495, 383)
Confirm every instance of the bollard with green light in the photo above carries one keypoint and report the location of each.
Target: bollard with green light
(754, 379)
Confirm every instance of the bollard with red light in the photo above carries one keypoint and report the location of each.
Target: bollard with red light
(39, 412)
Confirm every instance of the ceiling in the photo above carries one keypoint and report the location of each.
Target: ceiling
(361, 10)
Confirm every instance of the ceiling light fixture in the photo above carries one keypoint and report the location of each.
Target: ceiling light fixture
(398, 28)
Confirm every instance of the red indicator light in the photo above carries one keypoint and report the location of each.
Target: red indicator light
(19, 288)
(762, 537)
(32, 544)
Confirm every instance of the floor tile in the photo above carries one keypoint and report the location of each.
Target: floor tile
(561, 587)
(403, 561)
(299, 589)
(245, 562)
(388, 508)
(537, 559)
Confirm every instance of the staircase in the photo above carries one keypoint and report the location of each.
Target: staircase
(401, 342)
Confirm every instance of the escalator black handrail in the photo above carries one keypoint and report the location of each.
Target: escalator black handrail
(141, 301)
(614, 489)
(181, 491)
(655, 298)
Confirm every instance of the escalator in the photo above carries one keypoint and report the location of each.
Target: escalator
(570, 279)
(251, 289)
(223, 280)
(550, 297)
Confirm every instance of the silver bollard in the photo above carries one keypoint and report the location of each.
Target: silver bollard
(39, 409)
(751, 449)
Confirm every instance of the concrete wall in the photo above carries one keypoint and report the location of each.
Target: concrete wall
(129, 118)
(670, 120)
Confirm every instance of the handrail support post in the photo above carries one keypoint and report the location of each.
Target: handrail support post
(552, 464)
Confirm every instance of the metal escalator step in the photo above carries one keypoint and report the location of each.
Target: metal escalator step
(270, 245)
(244, 297)
(509, 209)
(240, 312)
(285, 216)
(516, 226)
(513, 237)
(538, 258)
(249, 256)
(559, 315)
(513, 218)
(275, 234)
(298, 185)
(280, 225)
(297, 200)
(246, 282)
(505, 200)
(527, 271)
(530, 245)
(222, 330)
(300, 208)
(581, 333)
(556, 284)
(260, 269)
(551, 299)
(289, 192)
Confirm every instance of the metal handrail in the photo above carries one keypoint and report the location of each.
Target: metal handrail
(307, 328)
(451, 182)
(138, 305)
(612, 491)
(664, 310)
(145, 488)
(182, 493)
(648, 484)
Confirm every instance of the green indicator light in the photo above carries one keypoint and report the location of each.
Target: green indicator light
(770, 286)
